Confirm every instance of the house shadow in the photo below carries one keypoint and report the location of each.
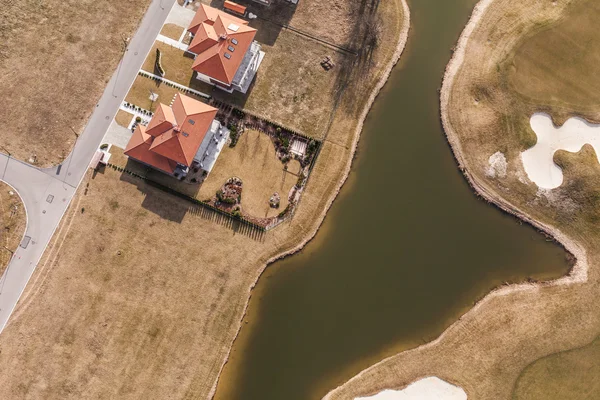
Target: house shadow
(155, 201)
(236, 99)
(270, 19)
(158, 200)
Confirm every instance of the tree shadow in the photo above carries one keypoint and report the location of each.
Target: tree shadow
(363, 40)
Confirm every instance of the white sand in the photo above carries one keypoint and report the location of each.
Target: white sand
(431, 388)
(538, 161)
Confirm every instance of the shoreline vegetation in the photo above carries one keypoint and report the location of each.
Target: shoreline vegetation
(526, 302)
(129, 300)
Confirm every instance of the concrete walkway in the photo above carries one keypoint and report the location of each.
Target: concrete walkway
(172, 43)
(180, 16)
(46, 193)
(117, 135)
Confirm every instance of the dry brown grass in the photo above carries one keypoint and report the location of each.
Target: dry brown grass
(139, 94)
(55, 61)
(254, 161)
(12, 222)
(176, 63)
(123, 118)
(290, 86)
(156, 320)
(172, 31)
(570, 375)
(521, 58)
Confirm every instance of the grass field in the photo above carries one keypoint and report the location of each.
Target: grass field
(290, 86)
(172, 31)
(123, 118)
(156, 289)
(139, 94)
(12, 221)
(176, 63)
(527, 343)
(254, 161)
(569, 375)
(62, 54)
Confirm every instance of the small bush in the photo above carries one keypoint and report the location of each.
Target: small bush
(285, 144)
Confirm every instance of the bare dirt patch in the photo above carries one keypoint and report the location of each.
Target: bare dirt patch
(55, 61)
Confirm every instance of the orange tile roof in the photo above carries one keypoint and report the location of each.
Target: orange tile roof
(209, 15)
(162, 120)
(235, 7)
(215, 32)
(173, 135)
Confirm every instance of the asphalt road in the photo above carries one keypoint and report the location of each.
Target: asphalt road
(46, 193)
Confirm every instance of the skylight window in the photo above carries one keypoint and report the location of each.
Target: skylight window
(191, 121)
(233, 27)
(185, 134)
(231, 48)
(227, 56)
(234, 41)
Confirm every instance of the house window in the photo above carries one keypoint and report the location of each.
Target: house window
(227, 56)
(234, 41)
(231, 48)
(191, 121)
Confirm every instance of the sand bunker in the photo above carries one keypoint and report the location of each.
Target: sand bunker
(538, 160)
(431, 388)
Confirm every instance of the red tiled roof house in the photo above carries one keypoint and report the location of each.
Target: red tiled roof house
(226, 54)
(179, 137)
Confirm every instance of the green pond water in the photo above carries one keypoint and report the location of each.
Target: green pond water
(405, 250)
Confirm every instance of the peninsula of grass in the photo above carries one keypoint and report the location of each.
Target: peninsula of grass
(157, 289)
(13, 220)
(515, 59)
(56, 59)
